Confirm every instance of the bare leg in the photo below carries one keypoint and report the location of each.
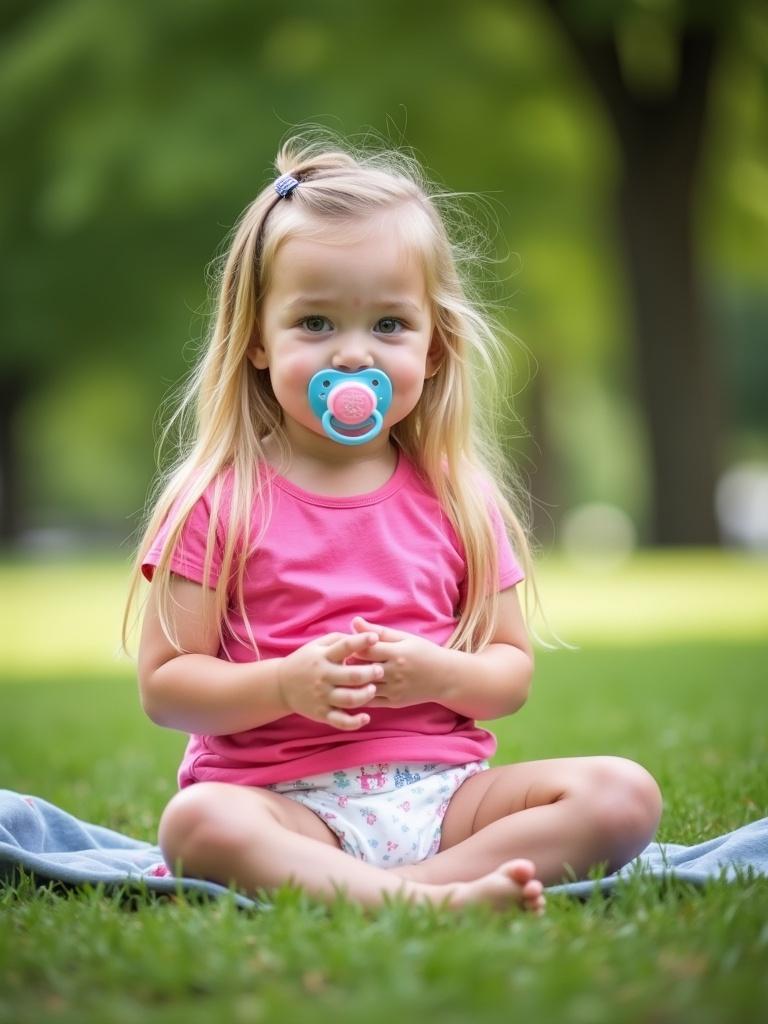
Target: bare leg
(566, 815)
(257, 839)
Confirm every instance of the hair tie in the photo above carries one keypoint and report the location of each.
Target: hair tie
(285, 185)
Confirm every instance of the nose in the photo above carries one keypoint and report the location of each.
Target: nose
(352, 354)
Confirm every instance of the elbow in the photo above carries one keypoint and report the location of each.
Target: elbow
(524, 695)
(158, 686)
(523, 680)
(148, 702)
(150, 697)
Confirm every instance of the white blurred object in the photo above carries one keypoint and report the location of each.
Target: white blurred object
(598, 536)
(741, 503)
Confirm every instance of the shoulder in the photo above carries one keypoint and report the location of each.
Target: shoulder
(472, 478)
(199, 506)
(200, 500)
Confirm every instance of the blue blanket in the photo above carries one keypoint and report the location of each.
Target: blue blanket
(52, 844)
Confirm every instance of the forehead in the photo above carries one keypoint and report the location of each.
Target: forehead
(359, 258)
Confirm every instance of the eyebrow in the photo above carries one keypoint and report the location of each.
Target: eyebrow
(319, 300)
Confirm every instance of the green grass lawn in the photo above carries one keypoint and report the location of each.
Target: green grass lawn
(671, 670)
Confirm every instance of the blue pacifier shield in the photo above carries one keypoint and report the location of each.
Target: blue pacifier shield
(350, 406)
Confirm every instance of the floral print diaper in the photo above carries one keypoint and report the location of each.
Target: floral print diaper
(385, 814)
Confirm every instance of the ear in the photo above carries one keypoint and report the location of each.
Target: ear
(257, 354)
(435, 356)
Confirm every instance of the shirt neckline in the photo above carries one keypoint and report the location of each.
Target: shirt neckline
(399, 476)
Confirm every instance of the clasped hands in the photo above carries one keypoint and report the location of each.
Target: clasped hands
(375, 666)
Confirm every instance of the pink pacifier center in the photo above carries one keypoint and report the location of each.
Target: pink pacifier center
(351, 403)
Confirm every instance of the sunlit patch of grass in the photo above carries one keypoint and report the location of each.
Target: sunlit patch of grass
(657, 597)
(63, 615)
(66, 615)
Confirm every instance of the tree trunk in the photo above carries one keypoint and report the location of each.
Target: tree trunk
(543, 478)
(673, 351)
(660, 141)
(13, 392)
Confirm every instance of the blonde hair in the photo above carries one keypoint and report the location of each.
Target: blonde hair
(450, 436)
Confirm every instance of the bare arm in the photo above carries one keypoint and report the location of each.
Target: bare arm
(201, 693)
(496, 681)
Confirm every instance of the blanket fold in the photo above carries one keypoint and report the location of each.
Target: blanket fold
(52, 844)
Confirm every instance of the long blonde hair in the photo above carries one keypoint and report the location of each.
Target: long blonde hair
(451, 435)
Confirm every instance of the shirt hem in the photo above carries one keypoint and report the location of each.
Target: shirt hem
(349, 756)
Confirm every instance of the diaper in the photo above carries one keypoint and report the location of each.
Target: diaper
(386, 814)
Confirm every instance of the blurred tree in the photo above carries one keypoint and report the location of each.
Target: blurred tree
(652, 63)
(133, 134)
(126, 147)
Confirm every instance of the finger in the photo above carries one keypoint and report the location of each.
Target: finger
(340, 720)
(345, 697)
(384, 632)
(347, 645)
(330, 638)
(358, 675)
(355, 659)
(378, 652)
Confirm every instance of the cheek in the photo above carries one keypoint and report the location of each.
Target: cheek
(293, 372)
(407, 387)
(407, 375)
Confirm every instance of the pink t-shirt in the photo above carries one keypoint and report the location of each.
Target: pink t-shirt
(391, 556)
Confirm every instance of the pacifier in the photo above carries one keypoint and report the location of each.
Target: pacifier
(350, 405)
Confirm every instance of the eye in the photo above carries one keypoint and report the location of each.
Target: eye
(314, 324)
(389, 325)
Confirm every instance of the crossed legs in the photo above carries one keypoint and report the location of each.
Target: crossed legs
(566, 815)
(563, 816)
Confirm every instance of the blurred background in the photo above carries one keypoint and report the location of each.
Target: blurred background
(616, 152)
(620, 154)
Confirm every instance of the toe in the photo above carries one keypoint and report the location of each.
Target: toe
(533, 897)
(520, 870)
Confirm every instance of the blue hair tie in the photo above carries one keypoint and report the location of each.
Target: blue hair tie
(285, 185)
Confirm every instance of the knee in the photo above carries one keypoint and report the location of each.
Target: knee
(196, 830)
(626, 802)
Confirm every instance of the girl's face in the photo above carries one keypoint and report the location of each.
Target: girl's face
(347, 305)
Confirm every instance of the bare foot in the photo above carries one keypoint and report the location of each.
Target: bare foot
(512, 882)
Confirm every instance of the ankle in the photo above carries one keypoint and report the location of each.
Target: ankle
(410, 872)
(452, 894)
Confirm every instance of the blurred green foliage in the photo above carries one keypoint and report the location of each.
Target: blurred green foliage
(134, 134)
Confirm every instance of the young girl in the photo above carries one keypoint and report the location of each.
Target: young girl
(333, 594)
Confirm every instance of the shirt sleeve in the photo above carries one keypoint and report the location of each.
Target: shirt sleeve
(188, 558)
(510, 570)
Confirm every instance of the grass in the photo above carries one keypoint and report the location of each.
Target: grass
(689, 704)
